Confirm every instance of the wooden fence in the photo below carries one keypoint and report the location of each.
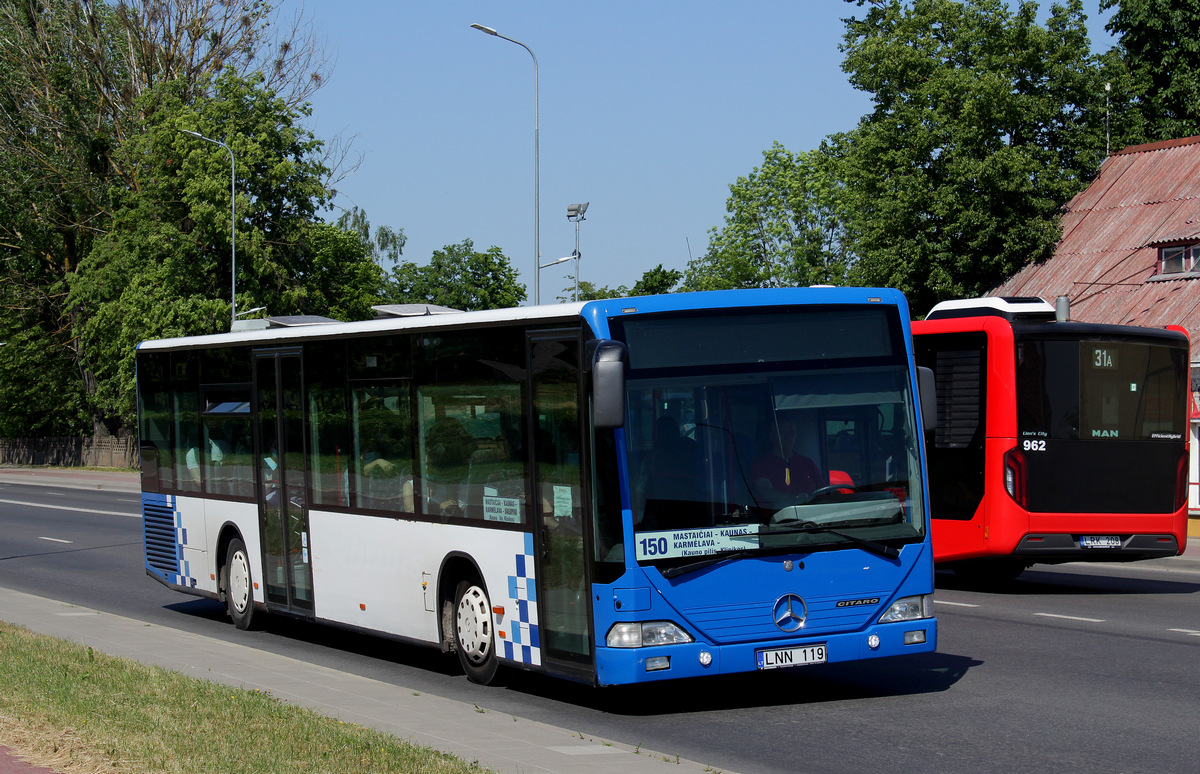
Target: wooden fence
(107, 452)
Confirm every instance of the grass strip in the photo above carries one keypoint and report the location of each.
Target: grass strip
(64, 706)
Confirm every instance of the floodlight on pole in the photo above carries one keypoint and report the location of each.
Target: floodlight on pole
(232, 223)
(575, 214)
(537, 249)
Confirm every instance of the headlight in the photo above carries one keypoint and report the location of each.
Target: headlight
(908, 609)
(636, 635)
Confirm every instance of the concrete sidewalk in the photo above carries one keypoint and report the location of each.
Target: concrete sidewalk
(497, 740)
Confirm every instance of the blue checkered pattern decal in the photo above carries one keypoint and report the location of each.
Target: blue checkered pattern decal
(165, 537)
(522, 638)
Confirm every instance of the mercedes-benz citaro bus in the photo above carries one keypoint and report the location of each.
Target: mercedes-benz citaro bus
(1056, 441)
(613, 491)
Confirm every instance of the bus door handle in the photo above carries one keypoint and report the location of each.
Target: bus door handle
(545, 542)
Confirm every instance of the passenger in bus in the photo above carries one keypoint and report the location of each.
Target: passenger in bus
(779, 474)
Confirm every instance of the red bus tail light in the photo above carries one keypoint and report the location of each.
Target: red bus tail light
(1015, 476)
(1181, 481)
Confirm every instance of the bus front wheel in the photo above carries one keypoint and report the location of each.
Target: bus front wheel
(473, 635)
(238, 585)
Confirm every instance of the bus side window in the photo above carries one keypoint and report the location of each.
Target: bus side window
(381, 447)
(471, 419)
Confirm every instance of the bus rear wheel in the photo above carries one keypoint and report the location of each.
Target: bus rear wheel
(473, 632)
(238, 585)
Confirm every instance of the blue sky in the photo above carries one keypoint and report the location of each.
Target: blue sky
(647, 110)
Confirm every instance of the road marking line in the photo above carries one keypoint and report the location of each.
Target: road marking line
(955, 604)
(1191, 632)
(55, 540)
(68, 508)
(1071, 617)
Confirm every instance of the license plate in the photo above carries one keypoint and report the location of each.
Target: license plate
(776, 658)
(1100, 541)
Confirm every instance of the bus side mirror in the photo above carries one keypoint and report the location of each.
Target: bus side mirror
(608, 385)
(927, 385)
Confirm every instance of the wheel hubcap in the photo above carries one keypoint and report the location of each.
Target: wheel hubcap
(474, 625)
(239, 581)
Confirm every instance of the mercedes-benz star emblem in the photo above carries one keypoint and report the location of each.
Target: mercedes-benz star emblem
(789, 612)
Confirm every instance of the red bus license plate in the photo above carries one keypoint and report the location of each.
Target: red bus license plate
(776, 658)
(1100, 541)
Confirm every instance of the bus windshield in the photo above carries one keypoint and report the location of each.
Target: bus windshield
(735, 453)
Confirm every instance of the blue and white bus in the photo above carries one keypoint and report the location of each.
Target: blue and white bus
(612, 491)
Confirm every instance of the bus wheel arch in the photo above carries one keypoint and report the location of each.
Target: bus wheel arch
(468, 627)
(235, 581)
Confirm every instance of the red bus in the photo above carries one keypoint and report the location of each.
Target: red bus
(1056, 441)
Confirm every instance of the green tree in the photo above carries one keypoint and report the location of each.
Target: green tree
(654, 282)
(459, 277)
(386, 244)
(163, 266)
(1162, 52)
(784, 227)
(590, 291)
(76, 80)
(984, 124)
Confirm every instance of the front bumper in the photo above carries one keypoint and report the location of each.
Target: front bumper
(622, 666)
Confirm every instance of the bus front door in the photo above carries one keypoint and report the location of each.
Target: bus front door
(282, 490)
(560, 530)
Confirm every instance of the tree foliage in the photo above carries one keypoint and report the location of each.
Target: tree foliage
(115, 226)
(984, 124)
(1162, 52)
(784, 227)
(163, 267)
(460, 277)
(654, 282)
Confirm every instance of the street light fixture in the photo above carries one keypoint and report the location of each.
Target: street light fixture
(575, 214)
(232, 224)
(537, 250)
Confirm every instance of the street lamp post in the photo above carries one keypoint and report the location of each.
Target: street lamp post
(537, 251)
(232, 224)
(575, 214)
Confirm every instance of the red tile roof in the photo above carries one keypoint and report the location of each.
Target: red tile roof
(1145, 196)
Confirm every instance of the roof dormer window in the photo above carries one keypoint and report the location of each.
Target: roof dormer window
(1177, 259)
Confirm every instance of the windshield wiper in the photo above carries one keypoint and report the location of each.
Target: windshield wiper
(886, 551)
(708, 561)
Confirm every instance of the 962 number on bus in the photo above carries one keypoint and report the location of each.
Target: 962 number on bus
(1031, 445)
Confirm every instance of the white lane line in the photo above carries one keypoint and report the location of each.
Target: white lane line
(955, 604)
(55, 540)
(68, 508)
(1071, 617)
(1190, 632)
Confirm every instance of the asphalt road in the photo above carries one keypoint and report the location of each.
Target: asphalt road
(1081, 668)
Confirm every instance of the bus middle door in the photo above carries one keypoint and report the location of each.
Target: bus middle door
(560, 503)
(282, 484)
